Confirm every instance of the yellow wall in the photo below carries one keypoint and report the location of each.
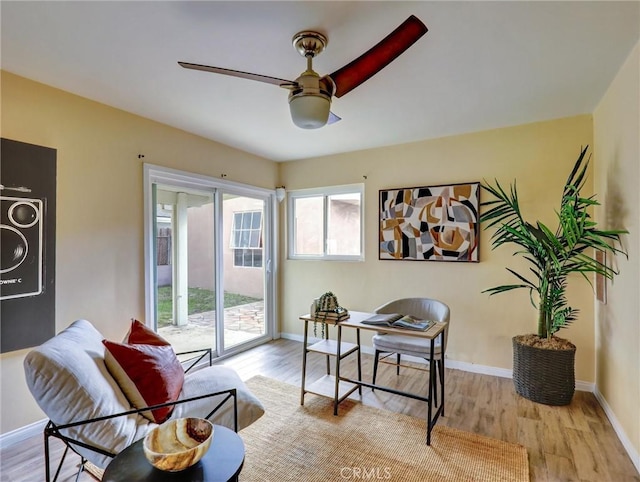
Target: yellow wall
(99, 242)
(540, 156)
(617, 150)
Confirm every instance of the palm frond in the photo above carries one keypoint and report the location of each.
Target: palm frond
(552, 255)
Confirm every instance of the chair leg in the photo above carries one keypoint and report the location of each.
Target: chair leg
(47, 456)
(64, 456)
(375, 366)
(397, 363)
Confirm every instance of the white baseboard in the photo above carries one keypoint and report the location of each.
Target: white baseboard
(482, 369)
(18, 435)
(585, 386)
(626, 443)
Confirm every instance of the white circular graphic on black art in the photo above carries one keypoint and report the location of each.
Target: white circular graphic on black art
(14, 248)
(23, 214)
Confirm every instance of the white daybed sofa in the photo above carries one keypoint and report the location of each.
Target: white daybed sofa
(70, 382)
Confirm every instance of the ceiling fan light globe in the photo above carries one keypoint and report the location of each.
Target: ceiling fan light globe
(309, 111)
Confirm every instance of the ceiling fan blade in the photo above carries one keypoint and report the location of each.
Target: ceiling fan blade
(333, 118)
(238, 73)
(378, 57)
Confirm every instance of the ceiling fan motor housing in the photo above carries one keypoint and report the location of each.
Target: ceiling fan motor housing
(310, 100)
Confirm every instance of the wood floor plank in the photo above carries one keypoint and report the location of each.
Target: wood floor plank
(590, 406)
(562, 468)
(553, 440)
(620, 466)
(570, 443)
(530, 434)
(587, 456)
(526, 409)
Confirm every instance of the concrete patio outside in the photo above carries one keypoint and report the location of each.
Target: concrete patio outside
(241, 323)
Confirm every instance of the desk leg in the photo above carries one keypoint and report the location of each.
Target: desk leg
(338, 356)
(432, 382)
(326, 337)
(304, 360)
(359, 360)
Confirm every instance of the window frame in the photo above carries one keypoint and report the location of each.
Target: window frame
(325, 193)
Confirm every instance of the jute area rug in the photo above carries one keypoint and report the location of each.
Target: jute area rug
(308, 443)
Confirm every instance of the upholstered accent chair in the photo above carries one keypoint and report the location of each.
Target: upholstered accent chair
(423, 308)
(89, 412)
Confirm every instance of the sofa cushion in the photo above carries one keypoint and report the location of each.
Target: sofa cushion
(68, 379)
(214, 379)
(147, 374)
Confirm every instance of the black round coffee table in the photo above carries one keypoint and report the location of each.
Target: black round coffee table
(222, 463)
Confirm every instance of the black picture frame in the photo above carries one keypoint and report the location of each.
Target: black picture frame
(430, 223)
(28, 247)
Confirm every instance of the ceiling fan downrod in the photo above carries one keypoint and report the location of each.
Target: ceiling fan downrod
(310, 99)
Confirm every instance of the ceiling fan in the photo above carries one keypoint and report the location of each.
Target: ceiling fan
(310, 95)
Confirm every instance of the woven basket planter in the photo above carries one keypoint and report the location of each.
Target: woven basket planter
(543, 375)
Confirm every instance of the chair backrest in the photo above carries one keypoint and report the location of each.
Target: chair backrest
(423, 308)
(69, 380)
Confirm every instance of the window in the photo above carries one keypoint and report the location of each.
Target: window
(246, 239)
(326, 223)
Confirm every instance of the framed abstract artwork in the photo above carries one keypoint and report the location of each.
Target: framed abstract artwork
(431, 223)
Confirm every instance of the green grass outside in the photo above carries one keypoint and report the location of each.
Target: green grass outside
(200, 300)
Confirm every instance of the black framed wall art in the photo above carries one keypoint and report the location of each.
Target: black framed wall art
(28, 244)
(430, 223)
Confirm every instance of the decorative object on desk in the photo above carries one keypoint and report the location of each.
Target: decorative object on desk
(334, 316)
(327, 302)
(326, 309)
(398, 320)
(431, 223)
(543, 364)
(178, 444)
(319, 446)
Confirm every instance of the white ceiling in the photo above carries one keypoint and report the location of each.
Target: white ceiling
(482, 65)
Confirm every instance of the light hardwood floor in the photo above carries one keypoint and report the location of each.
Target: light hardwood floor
(572, 443)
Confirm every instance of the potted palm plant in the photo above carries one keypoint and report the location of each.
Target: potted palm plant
(543, 368)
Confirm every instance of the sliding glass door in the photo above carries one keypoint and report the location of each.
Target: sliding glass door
(209, 252)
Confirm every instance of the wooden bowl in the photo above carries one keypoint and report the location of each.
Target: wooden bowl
(178, 444)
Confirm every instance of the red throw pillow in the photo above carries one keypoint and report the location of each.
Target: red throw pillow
(139, 334)
(147, 374)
